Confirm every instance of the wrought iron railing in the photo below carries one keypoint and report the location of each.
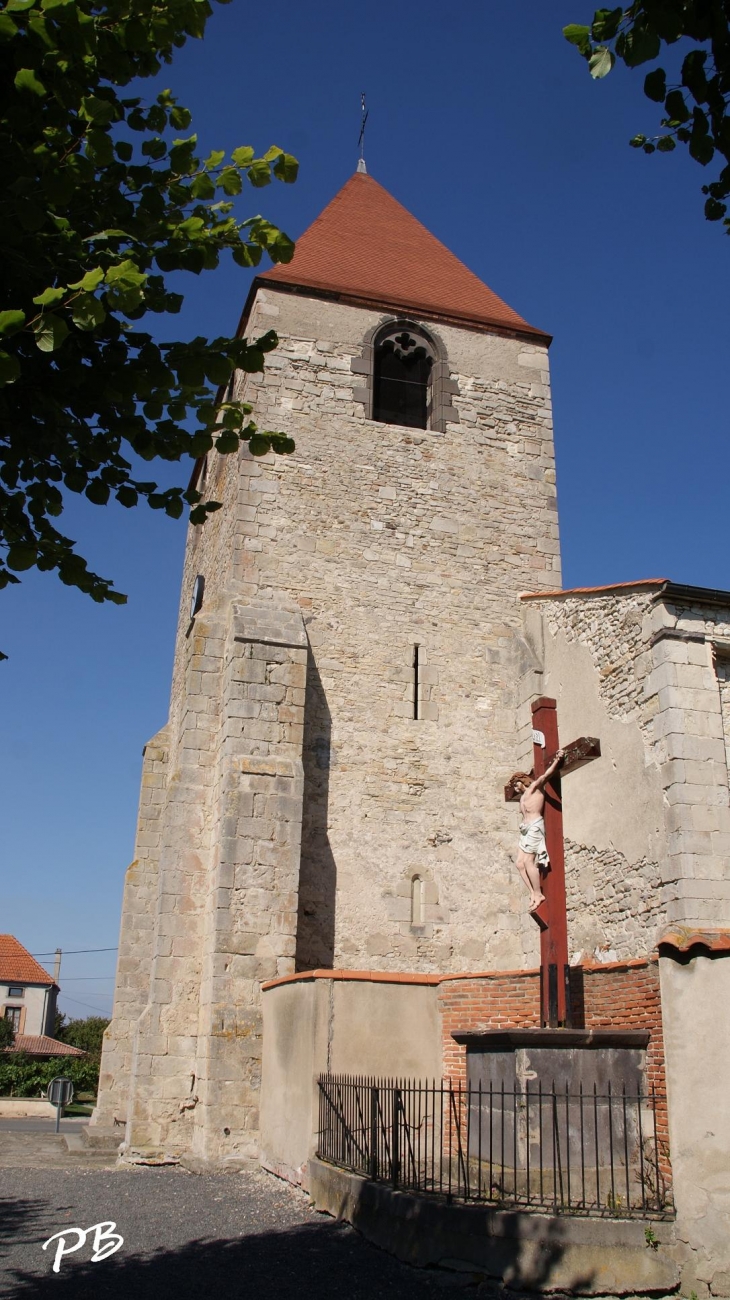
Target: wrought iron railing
(585, 1152)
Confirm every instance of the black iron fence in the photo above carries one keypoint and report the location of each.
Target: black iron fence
(541, 1148)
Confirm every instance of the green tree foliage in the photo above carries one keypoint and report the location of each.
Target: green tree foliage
(695, 99)
(86, 1034)
(7, 1033)
(29, 1076)
(102, 197)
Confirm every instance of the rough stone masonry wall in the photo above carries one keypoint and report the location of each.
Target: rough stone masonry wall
(388, 537)
(659, 798)
(592, 653)
(612, 627)
(614, 905)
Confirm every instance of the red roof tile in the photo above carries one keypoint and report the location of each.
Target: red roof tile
(17, 966)
(365, 247)
(42, 1045)
(683, 938)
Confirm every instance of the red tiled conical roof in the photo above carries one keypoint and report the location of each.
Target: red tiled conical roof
(365, 247)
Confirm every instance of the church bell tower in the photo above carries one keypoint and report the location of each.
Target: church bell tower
(327, 791)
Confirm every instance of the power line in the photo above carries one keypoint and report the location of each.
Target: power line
(84, 1004)
(71, 952)
(73, 979)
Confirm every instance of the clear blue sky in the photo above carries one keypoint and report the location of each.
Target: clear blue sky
(486, 125)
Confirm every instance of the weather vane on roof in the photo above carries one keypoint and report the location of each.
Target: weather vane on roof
(361, 142)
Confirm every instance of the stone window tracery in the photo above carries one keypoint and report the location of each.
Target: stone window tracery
(402, 380)
(406, 377)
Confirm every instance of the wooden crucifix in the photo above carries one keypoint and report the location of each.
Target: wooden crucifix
(552, 915)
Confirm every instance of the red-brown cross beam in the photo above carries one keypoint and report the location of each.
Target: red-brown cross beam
(552, 915)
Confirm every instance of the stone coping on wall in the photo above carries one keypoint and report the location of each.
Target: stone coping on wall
(675, 591)
(594, 591)
(500, 1039)
(413, 977)
(376, 976)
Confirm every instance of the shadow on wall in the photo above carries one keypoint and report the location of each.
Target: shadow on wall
(577, 998)
(317, 871)
(520, 1251)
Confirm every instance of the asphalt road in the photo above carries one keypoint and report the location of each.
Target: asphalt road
(30, 1125)
(188, 1236)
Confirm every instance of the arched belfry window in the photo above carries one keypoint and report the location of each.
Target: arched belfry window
(406, 377)
(402, 379)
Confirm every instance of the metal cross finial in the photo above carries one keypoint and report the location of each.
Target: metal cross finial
(361, 141)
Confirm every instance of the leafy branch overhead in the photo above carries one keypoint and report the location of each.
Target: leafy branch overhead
(103, 197)
(696, 99)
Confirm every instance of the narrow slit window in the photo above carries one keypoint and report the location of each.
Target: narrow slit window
(415, 681)
(417, 901)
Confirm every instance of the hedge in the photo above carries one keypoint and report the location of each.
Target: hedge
(28, 1076)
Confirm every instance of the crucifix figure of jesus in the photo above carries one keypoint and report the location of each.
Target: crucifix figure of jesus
(532, 854)
(541, 792)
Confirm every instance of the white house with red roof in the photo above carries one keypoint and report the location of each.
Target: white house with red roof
(28, 1000)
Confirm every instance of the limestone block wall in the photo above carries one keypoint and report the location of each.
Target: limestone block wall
(136, 939)
(149, 1068)
(163, 1072)
(184, 1054)
(250, 930)
(690, 637)
(390, 538)
(304, 803)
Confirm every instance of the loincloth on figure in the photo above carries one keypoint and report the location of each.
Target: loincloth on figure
(532, 840)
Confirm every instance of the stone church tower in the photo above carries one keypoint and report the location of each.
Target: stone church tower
(327, 791)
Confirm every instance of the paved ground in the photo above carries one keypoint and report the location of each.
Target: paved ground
(224, 1236)
(190, 1236)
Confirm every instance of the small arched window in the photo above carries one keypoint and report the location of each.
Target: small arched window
(403, 363)
(417, 901)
